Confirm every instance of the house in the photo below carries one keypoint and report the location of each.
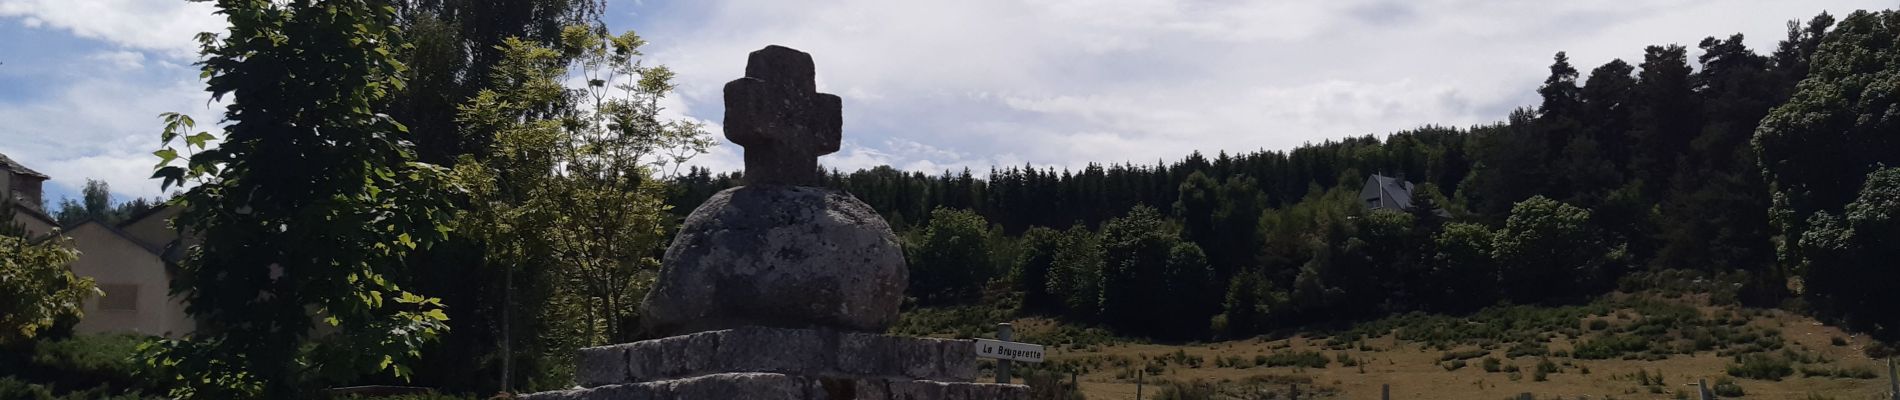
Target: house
(130, 262)
(1386, 193)
(1389, 193)
(24, 198)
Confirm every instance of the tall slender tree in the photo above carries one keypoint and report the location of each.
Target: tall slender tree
(306, 208)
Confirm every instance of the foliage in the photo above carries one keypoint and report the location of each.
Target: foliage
(1222, 218)
(564, 197)
(1049, 385)
(1250, 300)
(1823, 152)
(612, 217)
(13, 388)
(96, 205)
(951, 257)
(306, 208)
(508, 211)
(1760, 366)
(1187, 391)
(36, 287)
(1546, 251)
(1031, 268)
(98, 357)
(79, 367)
(1075, 276)
(1726, 387)
(1308, 359)
(454, 50)
(1153, 282)
(1462, 269)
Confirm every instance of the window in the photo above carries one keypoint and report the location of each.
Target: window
(120, 297)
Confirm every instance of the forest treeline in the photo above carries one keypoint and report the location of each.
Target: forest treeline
(1664, 163)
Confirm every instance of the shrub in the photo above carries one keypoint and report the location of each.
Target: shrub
(1762, 367)
(1726, 387)
(1186, 391)
(1454, 365)
(1049, 385)
(1492, 365)
(1856, 372)
(1597, 324)
(1309, 359)
(1527, 349)
(87, 366)
(1545, 366)
(1462, 355)
(1610, 346)
(1346, 360)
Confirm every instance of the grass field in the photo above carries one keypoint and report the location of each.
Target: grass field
(1621, 347)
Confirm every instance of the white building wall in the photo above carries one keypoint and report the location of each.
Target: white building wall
(114, 261)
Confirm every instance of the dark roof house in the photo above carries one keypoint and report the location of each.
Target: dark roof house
(1390, 193)
(1384, 192)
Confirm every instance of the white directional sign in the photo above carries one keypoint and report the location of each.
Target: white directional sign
(1012, 351)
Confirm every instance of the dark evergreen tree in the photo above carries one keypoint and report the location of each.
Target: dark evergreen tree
(1665, 117)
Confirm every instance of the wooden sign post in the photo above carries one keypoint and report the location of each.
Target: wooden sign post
(1005, 351)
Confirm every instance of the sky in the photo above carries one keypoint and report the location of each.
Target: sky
(934, 85)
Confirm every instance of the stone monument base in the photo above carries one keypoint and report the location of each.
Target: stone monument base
(777, 363)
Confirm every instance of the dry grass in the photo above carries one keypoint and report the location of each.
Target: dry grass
(1419, 371)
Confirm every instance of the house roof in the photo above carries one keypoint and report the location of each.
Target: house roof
(34, 211)
(122, 234)
(1392, 192)
(15, 166)
(135, 218)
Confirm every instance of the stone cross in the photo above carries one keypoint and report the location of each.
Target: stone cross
(777, 114)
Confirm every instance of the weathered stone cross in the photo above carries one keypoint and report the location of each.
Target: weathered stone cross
(776, 112)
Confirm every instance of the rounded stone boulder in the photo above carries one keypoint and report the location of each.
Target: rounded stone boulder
(779, 256)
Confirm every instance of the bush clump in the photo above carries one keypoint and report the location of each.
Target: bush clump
(1610, 346)
(1309, 359)
(1726, 387)
(1491, 364)
(1761, 367)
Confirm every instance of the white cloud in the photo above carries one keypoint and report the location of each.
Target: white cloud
(160, 25)
(123, 60)
(101, 126)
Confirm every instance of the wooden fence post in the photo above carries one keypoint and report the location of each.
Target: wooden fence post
(1138, 384)
(1893, 380)
(1385, 391)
